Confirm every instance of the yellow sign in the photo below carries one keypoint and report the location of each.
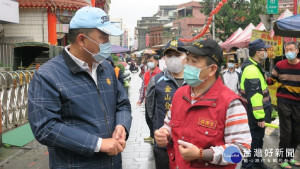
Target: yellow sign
(275, 42)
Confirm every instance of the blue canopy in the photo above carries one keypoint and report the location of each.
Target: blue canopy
(288, 27)
(118, 49)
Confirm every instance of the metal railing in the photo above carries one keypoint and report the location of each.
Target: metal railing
(13, 98)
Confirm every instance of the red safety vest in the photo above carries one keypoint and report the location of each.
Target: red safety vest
(201, 124)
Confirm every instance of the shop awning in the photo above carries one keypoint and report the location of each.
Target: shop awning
(63, 4)
(288, 27)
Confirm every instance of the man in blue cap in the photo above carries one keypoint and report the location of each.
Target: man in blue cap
(76, 105)
(256, 97)
(160, 92)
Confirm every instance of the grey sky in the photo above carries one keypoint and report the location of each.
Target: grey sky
(132, 10)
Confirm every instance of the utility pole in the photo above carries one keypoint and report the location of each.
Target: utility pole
(271, 29)
(213, 21)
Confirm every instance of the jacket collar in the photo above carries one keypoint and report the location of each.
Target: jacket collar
(258, 65)
(168, 77)
(210, 95)
(73, 66)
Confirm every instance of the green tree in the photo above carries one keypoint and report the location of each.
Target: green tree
(234, 14)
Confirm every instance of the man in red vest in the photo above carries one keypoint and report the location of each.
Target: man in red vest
(153, 69)
(207, 125)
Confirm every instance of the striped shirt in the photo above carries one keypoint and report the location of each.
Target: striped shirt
(236, 133)
(288, 78)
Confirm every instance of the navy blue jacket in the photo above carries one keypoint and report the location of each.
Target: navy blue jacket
(68, 112)
(159, 96)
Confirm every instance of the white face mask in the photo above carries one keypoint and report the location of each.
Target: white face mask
(230, 65)
(174, 63)
(264, 56)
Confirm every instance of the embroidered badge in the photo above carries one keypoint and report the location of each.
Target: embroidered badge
(174, 43)
(108, 81)
(207, 123)
(167, 106)
(198, 44)
(168, 89)
(168, 97)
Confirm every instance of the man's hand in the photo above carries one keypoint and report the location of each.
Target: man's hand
(162, 137)
(120, 135)
(261, 124)
(111, 146)
(188, 151)
(139, 103)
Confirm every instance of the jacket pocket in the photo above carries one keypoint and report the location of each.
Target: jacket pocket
(206, 131)
(174, 123)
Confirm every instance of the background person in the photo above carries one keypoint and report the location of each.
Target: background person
(152, 64)
(255, 95)
(231, 77)
(287, 74)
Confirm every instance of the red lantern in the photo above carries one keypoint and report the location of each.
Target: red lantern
(221, 4)
(224, 1)
(218, 7)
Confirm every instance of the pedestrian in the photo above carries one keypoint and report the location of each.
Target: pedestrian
(76, 105)
(206, 118)
(287, 74)
(117, 70)
(256, 97)
(160, 92)
(152, 64)
(143, 66)
(232, 77)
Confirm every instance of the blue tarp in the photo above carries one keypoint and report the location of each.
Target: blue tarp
(118, 49)
(288, 27)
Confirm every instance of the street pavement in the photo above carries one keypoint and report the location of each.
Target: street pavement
(137, 155)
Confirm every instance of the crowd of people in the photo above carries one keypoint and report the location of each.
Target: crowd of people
(196, 113)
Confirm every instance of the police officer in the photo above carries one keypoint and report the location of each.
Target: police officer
(256, 97)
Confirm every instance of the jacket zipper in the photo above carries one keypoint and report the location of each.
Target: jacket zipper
(106, 121)
(104, 112)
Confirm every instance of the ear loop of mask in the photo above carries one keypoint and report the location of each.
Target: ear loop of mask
(207, 76)
(92, 41)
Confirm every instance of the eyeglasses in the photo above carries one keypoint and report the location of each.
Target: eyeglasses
(262, 50)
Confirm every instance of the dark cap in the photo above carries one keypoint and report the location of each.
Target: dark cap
(257, 44)
(206, 47)
(173, 45)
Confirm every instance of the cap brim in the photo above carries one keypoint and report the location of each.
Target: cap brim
(111, 30)
(267, 46)
(192, 49)
(171, 48)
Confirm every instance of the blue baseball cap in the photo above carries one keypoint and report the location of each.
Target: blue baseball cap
(91, 17)
(257, 44)
(173, 45)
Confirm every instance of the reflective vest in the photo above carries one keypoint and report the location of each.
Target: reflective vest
(255, 93)
(117, 71)
(186, 123)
